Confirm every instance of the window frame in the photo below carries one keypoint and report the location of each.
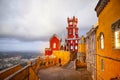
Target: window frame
(115, 27)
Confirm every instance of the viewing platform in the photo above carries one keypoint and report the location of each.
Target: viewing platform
(40, 67)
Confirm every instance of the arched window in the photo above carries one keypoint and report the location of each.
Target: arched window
(101, 40)
(54, 45)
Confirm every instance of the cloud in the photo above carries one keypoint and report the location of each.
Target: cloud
(39, 19)
(33, 22)
(7, 44)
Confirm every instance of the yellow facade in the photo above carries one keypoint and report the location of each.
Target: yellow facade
(81, 55)
(108, 58)
(63, 55)
(82, 46)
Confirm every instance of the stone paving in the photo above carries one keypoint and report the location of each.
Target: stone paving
(64, 73)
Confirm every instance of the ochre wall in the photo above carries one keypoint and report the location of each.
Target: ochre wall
(109, 15)
(81, 48)
(63, 55)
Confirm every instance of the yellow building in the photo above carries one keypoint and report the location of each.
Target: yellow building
(62, 56)
(108, 40)
(82, 49)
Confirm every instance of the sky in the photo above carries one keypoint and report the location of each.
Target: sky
(27, 25)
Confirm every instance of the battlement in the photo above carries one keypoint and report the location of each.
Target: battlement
(72, 21)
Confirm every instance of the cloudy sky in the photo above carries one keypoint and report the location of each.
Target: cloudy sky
(27, 25)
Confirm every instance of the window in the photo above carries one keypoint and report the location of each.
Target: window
(73, 31)
(101, 41)
(76, 47)
(116, 34)
(70, 31)
(117, 39)
(71, 23)
(71, 47)
(76, 41)
(102, 64)
(54, 45)
(71, 41)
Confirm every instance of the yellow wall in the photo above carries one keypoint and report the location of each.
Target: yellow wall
(63, 55)
(109, 15)
(81, 48)
(82, 45)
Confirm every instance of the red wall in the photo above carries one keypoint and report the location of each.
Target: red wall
(55, 40)
(72, 34)
(48, 52)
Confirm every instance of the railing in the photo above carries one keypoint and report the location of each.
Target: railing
(22, 74)
(28, 71)
(7, 72)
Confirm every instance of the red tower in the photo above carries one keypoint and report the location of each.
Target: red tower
(72, 35)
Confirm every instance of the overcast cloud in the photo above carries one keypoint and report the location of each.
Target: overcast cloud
(37, 20)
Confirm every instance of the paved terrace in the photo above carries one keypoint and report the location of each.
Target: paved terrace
(64, 73)
(45, 69)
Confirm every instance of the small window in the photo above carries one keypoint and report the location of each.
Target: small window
(73, 31)
(71, 41)
(70, 31)
(76, 41)
(71, 47)
(71, 23)
(102, 64)
(76, 47)
(54, 45)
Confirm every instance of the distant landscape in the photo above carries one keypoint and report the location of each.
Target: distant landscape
(8, 59)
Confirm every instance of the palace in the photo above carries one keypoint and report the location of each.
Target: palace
(99, 50)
